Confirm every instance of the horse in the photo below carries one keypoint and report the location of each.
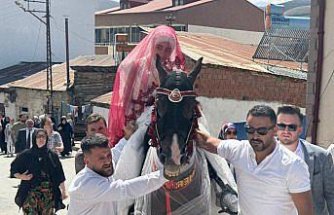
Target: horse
(169, 144)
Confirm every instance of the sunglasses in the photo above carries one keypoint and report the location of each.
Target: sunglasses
(291, 127)
(260, 131)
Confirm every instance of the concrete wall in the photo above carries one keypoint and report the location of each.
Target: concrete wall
(9, 107)
(103, 111)
(326, 113)
(35, 101)
(218, 111)
(325, 132)
(22, 36)
(224, 14)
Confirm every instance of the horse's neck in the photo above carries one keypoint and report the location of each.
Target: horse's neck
(194, 196)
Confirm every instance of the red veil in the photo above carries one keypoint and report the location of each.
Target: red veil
(137, 78)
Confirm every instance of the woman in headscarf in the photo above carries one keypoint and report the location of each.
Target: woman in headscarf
(228, 131)
(66, 133)
(42, 178)
(137, 77)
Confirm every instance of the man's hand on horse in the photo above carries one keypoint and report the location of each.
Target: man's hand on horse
(129, 129)
(205, 141)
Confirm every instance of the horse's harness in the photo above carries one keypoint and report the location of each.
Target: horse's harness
(174, 96)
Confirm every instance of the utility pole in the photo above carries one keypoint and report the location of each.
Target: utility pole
(67, 56)
(29, 4)
(48, 57)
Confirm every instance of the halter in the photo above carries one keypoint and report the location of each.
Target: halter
(175, 96)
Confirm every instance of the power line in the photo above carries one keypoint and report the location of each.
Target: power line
(30, 7)
(72, 33)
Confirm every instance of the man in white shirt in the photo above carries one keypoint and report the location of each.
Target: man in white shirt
(94, 191)
(319, 161)
(271, 179)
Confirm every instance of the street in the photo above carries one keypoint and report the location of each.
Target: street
(8, 186)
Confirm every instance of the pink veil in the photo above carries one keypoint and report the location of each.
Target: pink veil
(137, 78)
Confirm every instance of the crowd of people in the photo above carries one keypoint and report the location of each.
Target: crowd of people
(37, 146)
(276, 171)
(15, 137)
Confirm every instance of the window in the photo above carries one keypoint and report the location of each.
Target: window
(24, 109)
(178, 2)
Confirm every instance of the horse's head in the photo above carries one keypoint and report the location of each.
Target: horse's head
(175, 120)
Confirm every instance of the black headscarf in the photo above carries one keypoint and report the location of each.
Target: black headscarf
(36, 160)
(40, 152)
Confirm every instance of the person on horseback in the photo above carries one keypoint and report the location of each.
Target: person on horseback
(134, 94)
(271, 179)
(137, 77)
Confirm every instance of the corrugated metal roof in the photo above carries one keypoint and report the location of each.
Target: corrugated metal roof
(20, 71)
(103, 99)
(221, 51)
(38, 80)
(94, 60)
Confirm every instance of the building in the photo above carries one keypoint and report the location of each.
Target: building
(89, 77)
(11, 74)
(184, 15)
(30, 93)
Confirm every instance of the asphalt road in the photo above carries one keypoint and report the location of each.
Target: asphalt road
(8, 186)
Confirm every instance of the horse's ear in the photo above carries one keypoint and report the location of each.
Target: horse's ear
(161, 70)
(193, 75)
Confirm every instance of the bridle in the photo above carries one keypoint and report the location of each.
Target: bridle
(174, 96)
